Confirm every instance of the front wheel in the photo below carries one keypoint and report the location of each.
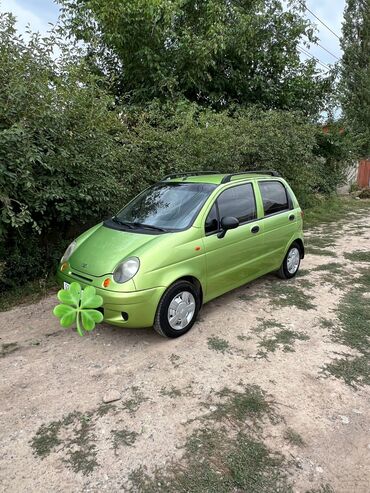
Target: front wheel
(177, 310)
(291, 263)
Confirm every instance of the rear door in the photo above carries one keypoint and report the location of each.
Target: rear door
(279, 222)
(233, 260)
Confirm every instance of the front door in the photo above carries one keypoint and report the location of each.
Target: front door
(232, 260)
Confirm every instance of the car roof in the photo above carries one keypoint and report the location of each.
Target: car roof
(216, 179)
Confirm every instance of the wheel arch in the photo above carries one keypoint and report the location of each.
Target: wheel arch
(300, 245)
(193, 280)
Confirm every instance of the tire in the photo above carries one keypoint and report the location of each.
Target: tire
(179, 305)
(291, 262)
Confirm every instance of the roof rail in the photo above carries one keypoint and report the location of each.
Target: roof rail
(227, 178)
(189, 173)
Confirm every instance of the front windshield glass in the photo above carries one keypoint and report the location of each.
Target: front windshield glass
(170, 206)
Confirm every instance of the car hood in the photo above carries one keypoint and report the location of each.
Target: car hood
(104, 248)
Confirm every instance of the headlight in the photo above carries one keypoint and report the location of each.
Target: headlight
(68, 252)
(126, 270)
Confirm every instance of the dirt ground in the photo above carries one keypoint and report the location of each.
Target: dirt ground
(58, 435)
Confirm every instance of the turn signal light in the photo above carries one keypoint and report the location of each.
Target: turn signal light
(106, 282)
(64, 266)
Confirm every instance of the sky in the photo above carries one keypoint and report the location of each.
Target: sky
(38, 13)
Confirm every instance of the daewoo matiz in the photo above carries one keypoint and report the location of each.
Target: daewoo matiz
(184, 241)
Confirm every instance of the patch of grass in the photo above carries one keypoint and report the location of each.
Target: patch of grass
(218, 344)
(123, 437)
(173, 392)
(354, 319)
(250, 403)
(27, 294)
(333, 210)
(304, 283)
(78, 442)
(302, 273)
(8, 348)
(331, 271)
(82, 449)
(268, 324)
(221, 460)
(283, 294)
(358, 256)
(294, 438)
(355, 371)
(105, 408)
(46, 439)
(133, 404)
(326, 323)
(334, 267)
(285, 338)
(321, 252)
(321, 241)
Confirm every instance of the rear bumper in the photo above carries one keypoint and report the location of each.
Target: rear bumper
(138, 307)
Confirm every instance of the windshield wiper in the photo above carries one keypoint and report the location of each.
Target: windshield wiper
(122, 223)
(148, 226)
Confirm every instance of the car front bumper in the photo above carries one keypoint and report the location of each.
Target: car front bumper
(131, 309)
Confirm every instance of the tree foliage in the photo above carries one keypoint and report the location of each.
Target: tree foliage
(355, 74)
(217, 53)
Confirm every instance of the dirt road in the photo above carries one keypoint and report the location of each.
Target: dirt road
(284, 362)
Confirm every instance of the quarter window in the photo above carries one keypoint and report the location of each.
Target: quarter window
(212, 220)
(274, 197)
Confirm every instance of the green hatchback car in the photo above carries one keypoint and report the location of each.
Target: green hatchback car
(184, 241)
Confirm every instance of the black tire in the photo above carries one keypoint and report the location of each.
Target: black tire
(161, 322)
(283, 272)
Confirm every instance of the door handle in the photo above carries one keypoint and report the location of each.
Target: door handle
(291, 217)
(255, 229)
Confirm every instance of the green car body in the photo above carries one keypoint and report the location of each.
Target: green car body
(214, 262)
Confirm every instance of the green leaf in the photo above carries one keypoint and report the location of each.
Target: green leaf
(90, 299)
(71, 296)
(90, 317)
(66, 314)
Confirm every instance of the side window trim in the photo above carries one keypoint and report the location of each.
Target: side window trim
(289, 199)
(218, 210)
(209, 233)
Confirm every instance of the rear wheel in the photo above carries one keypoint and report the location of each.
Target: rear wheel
(177, 310)
(291, 263)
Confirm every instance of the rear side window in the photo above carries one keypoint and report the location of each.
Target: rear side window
(274, 197)
(237, 202)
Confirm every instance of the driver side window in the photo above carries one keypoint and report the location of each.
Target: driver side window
(237, 201)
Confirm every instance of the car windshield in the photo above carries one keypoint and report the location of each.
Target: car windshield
(166, 206)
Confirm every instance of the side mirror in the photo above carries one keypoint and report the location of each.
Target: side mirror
(227, 222)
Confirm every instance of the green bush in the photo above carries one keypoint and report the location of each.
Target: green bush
(187, 137)
(59, 158)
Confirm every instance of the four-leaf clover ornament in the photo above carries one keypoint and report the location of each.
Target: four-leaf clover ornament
(79, 305)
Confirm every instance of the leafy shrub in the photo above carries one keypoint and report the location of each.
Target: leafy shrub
(59, 158)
